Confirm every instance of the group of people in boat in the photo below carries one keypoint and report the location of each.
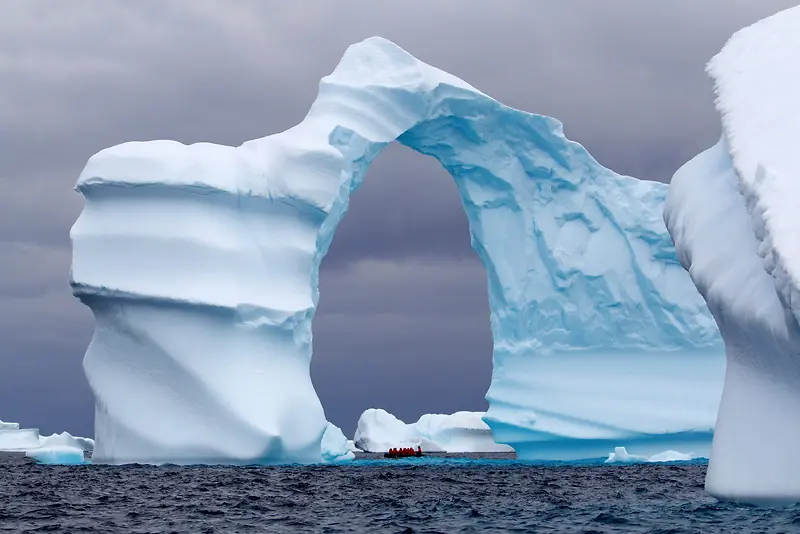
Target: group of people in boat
(403, 452)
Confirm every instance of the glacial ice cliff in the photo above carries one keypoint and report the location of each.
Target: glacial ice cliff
(201, 263)
(733, 214)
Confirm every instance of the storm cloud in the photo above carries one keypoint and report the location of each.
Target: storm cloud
(403, 318)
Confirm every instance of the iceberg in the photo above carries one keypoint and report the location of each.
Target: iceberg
(732, 213)
(9, 426)
(14, 438)
(60, 449)
(378, 431)
(621, 456)
(57, 455)
(335, 446)
(201, 265)
(65, 439)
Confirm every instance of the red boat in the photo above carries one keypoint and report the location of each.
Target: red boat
(403, 452)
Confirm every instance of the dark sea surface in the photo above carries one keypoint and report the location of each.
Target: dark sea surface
(463, 494)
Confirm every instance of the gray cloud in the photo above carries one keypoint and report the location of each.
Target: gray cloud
(409, 336)
(388, 220)
(625, 77)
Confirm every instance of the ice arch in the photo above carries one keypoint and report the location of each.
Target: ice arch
(201, 265)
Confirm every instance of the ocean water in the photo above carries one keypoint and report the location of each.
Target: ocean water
(446, 495)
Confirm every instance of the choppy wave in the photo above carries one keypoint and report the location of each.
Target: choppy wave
(464, 494)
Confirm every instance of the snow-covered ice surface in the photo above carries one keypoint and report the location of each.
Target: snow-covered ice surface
(733, 212)
(378, 430)
(201, 263)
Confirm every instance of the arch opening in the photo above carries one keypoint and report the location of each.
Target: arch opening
(403, 319)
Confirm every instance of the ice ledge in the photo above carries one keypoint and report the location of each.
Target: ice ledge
(248, 315)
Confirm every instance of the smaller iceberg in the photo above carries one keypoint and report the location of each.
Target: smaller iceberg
(335, 446)
(13, 438)
(58, 455)
(56, 449)
(621, 456)
(378, 431)
(65, 439)
(61, 449)
(8, 426)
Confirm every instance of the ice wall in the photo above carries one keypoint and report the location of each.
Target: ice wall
(733, 214)
(201, 266)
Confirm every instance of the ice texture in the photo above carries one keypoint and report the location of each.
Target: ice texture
(201, 266)
(733, 214)
(378, 430)
(335, 446)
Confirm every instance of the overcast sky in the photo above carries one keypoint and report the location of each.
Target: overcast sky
(401, 282)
